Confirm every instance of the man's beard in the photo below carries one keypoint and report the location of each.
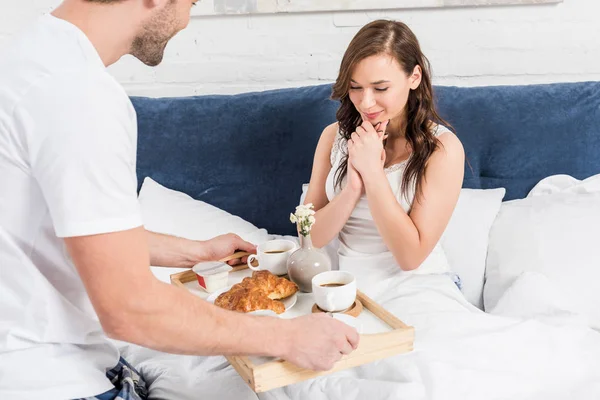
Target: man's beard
(149, 46)
(148, 49)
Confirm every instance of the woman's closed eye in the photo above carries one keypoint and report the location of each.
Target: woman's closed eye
(376, 89)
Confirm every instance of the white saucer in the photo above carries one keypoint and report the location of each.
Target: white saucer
(349, 320)
(288, 302)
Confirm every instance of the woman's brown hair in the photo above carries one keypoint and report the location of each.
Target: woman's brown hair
(397, 40)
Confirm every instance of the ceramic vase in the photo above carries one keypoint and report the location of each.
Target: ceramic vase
(306, 262)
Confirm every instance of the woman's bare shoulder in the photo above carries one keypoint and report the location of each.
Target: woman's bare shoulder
(330, 131)
(328, 136)
(451, 147)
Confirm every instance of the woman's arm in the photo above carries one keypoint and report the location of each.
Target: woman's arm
(411, 237)
(330, 216)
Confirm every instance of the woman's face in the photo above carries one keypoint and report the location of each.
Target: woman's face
(379, 88)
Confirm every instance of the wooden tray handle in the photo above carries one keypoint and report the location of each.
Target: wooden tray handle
(239, 254)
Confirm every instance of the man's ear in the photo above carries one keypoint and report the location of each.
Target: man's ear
(415, 78)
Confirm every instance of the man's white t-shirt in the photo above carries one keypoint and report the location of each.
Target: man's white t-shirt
(68, 134)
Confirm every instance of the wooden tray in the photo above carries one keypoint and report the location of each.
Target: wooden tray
(263, 374)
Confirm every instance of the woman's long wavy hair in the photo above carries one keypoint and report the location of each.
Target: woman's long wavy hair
(397, 40)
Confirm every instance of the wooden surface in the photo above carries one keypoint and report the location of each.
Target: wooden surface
(354, 310)
(277, 373)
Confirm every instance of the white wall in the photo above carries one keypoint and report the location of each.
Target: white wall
(467, 46)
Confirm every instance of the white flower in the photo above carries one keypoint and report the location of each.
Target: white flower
(302, 211)
(304, 217)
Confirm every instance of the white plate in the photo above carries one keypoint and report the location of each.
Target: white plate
(288, 302)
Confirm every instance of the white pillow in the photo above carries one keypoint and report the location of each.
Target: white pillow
(174, 213)
(465, 240)
(533, 295)
(554, 232)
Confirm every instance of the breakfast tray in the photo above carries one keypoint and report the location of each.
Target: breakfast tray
(383, 335)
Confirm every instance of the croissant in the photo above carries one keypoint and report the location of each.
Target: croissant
(260, 292)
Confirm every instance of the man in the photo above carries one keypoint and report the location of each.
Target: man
(74, 256)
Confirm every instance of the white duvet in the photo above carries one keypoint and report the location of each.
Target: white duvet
(524, 349)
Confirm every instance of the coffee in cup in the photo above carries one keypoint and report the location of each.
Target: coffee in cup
(272, 256)
(332, 284)
(334, 291)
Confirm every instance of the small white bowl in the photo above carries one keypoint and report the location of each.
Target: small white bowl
(212, 275)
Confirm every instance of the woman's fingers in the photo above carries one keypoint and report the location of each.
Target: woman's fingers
(367, 127)
(381, 128)
(378, 129)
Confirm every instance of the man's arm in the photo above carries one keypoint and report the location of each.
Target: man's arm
(135, 307)
(172, 251)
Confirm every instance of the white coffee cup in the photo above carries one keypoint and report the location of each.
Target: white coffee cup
(334, 298)
(272, 256)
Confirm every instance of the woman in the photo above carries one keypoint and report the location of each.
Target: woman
(387, 175)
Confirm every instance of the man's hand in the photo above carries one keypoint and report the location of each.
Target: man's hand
(225, 245)
(317, 341)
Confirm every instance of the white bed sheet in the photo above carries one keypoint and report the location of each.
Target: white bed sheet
(463, 353)
(460, 353)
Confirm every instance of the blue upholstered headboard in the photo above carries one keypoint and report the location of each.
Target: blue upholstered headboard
(249, 154)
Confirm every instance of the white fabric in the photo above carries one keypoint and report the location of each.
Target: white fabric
(461, 353)
(175, 213)
(176, 377)
(531, 350)
(361, 245)
(554, 232)
(68, 137)
(465, 240)
(534, 295)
